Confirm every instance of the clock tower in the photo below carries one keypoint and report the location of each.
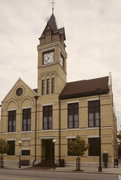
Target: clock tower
(51, 60)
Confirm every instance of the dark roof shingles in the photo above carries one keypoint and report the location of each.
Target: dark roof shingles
(35, 90)
(52, 23)
(53, 27)
(85, 88)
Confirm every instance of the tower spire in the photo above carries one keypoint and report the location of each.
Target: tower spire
(52, 2)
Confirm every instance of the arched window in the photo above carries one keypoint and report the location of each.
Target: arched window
(43, 86)
(47, 86)
(52, 85)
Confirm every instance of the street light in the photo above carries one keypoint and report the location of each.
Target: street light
(19, 154)
(54, 140)
(100, 152)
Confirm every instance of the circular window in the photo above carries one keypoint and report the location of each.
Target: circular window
(19, 91)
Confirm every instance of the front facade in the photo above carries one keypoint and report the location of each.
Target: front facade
(38, 124)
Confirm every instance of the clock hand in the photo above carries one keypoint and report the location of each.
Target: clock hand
(47, 57)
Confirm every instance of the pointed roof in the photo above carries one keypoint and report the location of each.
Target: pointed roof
(52, 23)
(52, 26)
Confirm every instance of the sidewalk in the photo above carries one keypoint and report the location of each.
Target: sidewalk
(110, 170)
(86, 169)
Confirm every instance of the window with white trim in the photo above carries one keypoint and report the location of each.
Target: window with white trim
(93, 113)
(26, 120)
(47, 117)
(12, 121)
(73, 115)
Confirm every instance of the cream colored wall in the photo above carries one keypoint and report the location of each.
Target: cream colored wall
(50, 72)
(12, 101)
(54, 69)
(83, 130)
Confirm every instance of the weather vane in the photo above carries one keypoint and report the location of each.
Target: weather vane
(52, 2)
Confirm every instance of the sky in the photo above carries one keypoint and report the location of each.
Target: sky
(93, 40)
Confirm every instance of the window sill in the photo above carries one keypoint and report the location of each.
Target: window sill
(93, 127)
(73, 129)
(11, 132)
(47, 130)
(25, 131)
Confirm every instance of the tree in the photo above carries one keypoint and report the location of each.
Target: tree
(119, 143)
(3, 150)
(77, 147)
(119, 135)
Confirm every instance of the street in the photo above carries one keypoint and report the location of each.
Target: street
(9, 174)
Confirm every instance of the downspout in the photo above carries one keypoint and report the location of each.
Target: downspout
(100, 134)
(59, 132)
(35, 156)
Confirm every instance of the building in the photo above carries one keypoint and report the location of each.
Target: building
(38, 123)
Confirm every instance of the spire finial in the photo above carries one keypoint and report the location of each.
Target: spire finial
(52, 2)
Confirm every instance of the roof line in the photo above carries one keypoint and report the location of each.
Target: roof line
(87, 79)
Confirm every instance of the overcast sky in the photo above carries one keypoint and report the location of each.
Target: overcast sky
(93, 33)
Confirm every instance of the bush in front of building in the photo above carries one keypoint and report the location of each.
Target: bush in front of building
(119, 144)
(3, 150)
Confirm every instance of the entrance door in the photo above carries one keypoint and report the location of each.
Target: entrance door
(48, 151)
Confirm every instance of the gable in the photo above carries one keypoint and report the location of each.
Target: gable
(19, 91)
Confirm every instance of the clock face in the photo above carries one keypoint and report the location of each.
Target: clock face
(48, 57)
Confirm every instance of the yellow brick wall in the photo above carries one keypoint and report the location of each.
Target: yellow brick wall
(27, 99)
